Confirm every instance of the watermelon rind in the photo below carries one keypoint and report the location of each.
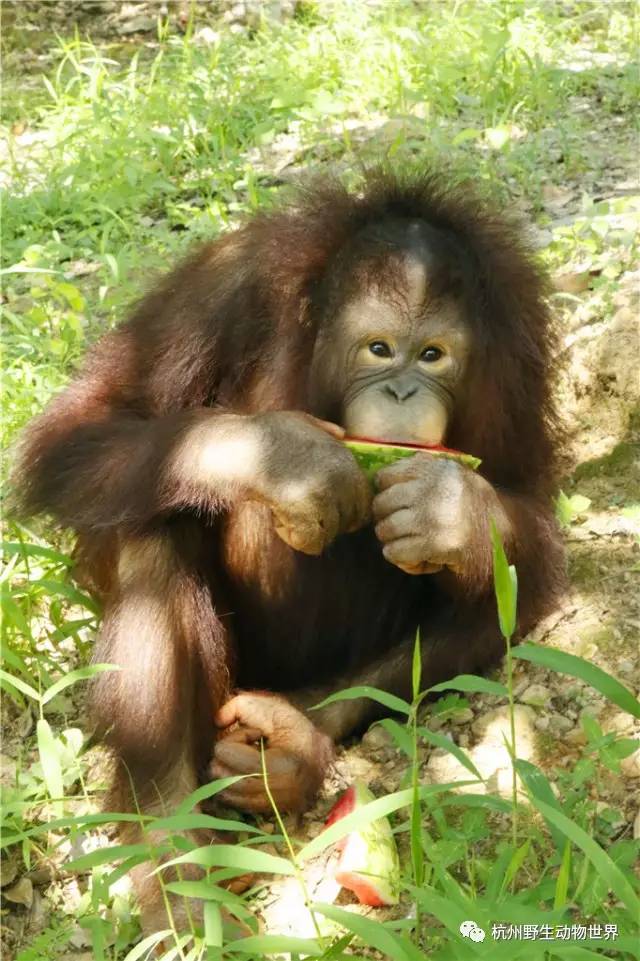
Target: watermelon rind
(369, 863)
(372, 456)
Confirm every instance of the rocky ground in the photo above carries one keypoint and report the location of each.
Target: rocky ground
(108, 20)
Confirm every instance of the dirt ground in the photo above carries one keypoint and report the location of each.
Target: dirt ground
(600, 618)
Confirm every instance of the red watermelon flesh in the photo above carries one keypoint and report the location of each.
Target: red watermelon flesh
(403, 443)
(369, 864)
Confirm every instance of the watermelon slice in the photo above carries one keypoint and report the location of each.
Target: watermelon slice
(372, 455)
(369, 864)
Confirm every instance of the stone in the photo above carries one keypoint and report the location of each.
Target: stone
(536, 695)
(8, 872)
(620, 722)
(559, 724)
(572, 282)
(434, 722)
(139, 24)
(576, 736)
(99, 6)
(206, 36)
(390, 784)
(313, 828)
(631, 765)
(490, 756)
(445, 768)
(40, 913)
(41, 875)
(377, 739)
(521, 686)
(20, 893)
(465, 716)
(81, 937)
(494, 726)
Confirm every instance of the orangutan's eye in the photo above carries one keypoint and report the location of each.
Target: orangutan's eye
(379, 348)
(430, 354)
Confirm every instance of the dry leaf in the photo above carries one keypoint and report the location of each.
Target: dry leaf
(572, 283)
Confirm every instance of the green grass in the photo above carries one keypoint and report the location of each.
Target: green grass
(138, 152)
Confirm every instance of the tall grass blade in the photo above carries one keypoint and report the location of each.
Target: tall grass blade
(372, 933)
(471, 684)
(144, 949)
(19, 685)
(538, 786)
(379, 808)
(212, 926)
(50, 761)
(266, 945)
(565, 663)
(80, 674)
(601, 861)
(441, 741)
(562, 881)
(230, 856)
(396, 704)
(505, 582)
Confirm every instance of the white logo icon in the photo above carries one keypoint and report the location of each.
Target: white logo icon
(469, 929)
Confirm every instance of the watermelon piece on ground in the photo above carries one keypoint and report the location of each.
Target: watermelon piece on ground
(369, 864)
(372, 455)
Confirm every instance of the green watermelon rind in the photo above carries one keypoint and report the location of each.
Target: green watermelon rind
(376, 862)
(372, 457)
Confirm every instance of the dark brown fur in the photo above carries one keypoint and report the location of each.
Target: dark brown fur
(233, 328)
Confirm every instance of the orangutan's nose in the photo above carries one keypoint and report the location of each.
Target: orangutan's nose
(400, 391)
